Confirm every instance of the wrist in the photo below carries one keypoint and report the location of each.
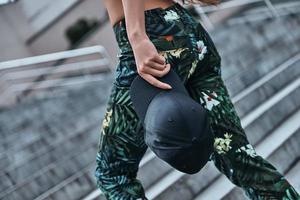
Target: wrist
(136, 37)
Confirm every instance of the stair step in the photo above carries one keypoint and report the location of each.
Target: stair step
(52, 174)
(38, 117)
(267, 116)
(87, 173)
(49, 155)
(265, 87)
(249, 65)
(36, 111)
(16, 157)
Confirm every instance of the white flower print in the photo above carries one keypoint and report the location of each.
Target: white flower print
(209, 101)
(222, 145)
(248, 149)
(171, 15)
(201, 48)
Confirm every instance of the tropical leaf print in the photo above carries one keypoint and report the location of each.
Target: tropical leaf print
(192, 69)
(174, 52)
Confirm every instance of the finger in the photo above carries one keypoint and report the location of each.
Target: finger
(156, 65)
(155, 72)
(159, 58)
(153, 81)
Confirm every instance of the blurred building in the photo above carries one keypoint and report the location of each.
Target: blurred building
(34, 27)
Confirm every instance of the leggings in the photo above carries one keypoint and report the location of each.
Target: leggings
(189, 49)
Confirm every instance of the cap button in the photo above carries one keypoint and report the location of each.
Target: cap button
(194, 139)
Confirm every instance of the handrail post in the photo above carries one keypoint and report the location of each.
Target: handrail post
(207, 22)
(272, 8)
(111, 67)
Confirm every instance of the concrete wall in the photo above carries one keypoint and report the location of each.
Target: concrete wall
(13, 33)
(18, 27)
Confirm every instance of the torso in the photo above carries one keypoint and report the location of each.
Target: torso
(116, 13)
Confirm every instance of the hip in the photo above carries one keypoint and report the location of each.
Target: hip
(175, 33)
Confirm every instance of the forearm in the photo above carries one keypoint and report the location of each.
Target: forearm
(135, 20)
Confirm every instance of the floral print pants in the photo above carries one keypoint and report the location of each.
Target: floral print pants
(189, 49)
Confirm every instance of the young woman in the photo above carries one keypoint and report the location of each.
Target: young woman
(158, 35)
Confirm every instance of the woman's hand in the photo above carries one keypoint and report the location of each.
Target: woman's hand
(150, 63)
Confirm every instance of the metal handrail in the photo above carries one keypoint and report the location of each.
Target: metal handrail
(260, 13)
(5, 2)
(12, 89)
(204, 10)
(52, 57)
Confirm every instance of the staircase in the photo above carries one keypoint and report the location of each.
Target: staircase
(48, 142)
(46, 137)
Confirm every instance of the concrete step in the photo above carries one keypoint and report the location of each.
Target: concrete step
(267, 116)
(79, 188)
(24, 150)
(31, 160)
(37, 116)
(32, 113)
(255, 60)
(74, 187)
(265, 87)
(54, 173)
(20, 163)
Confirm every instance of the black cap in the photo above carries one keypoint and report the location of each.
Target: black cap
(177, 128)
